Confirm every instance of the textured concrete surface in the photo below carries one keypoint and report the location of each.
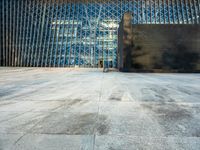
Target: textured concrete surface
(86, 109)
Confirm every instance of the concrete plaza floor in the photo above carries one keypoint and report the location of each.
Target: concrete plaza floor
(86, 109)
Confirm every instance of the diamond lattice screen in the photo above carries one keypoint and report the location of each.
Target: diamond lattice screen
(68, 33)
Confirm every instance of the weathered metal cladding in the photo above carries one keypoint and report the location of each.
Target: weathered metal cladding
(69, 33)
(158, 48)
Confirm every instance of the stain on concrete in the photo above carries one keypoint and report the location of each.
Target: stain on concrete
(175, 119)
(69, 124)
(184, 90)
(6, 103)
(159, 94)
(82, 124)
(188, 90)
(73, 102)
(103, 125)
(116, 95)
(111, 148)
(115, 98)
(8, 92)
(171, 112)
(196, 133)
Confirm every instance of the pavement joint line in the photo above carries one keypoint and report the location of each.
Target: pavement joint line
(32, 128)
(14, 116)
(97, 122)
(104, 101)
(111, 135)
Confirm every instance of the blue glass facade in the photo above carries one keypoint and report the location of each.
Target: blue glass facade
(69, 33)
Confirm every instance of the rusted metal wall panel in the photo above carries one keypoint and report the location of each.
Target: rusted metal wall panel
(159, 48)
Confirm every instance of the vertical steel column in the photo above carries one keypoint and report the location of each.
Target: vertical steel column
(142, 11)
(41, 18)
(198, 6)
(107, 38)
(155, 11)
(191, 12)
(17, 33)
(113, 39)
(63, 33)
(72, 37)
(173, 18)
(24, 34)
(134, 13)
(164, 11)
(10, 34)
(185, 4)
(177, 11)
(195, 12)
(14, 31)
(121, 11)
(58, 32)
(111, 46)
(101, 32)
(20, 33)
(85, 39)
(49, 35)
(159, 10)
(95, 34)
(28, 36)
(54, 33)
(138, 14)
(150, 3)
(93, 39)
(31, 34)
(43, 34)
(85, 26)
(90, 32)
(168, 6)
(103, 41)
(66, 54)
(38, 31)
(182, 12)
(70, 32)
(76, 35)
(46, 36)
(7, 34)
(3, 29)
(146, 11)
(33, 48)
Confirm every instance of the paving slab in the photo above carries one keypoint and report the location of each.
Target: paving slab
(113, 142)
(8, 141)
(55, 142)
(86, 109)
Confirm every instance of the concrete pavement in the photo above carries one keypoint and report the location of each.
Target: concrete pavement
(86, 109)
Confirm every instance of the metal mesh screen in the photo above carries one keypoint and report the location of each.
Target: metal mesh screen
(68, 33)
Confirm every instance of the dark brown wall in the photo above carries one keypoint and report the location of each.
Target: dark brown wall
(159, 48)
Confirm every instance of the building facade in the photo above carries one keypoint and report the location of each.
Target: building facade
(84, 33)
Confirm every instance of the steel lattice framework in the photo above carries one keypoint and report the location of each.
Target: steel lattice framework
(59, 33)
